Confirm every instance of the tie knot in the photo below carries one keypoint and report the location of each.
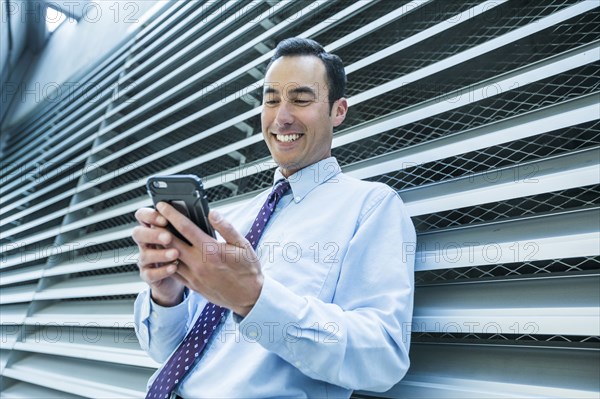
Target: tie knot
(281, 187)
(278, 191)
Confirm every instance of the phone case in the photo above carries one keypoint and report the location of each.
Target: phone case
(186, 194)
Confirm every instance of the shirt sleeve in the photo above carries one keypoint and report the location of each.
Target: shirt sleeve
(160, 329)
(361, 340)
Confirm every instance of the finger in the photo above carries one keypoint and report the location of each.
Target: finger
(151, 274)
(152, 257)
(145, 236)
(226, 230)
(182, 224)
(150, 217)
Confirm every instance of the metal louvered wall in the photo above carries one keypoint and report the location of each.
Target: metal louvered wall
(483, 115)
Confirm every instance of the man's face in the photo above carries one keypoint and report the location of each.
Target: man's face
(296, 123)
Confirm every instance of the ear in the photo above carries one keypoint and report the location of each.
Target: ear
(339, 110)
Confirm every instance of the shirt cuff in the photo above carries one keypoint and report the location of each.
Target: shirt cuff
(167, 316)
(277, 311)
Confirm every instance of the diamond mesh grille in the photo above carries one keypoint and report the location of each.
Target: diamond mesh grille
(369, 13)
(518, 269)
(44, 174)
(200, 21)
(215, 94)
(111, 223)
(562, 87)
(54, 223)
(108, 270)
(92, 299)
(119, 199)
(580, 197)
(519, 151)
(577, 341)
(91, 251)
(247, 184)
(465, 36)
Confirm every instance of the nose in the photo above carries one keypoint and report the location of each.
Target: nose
(284, 115)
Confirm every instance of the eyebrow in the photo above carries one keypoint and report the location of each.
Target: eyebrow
(294, 91)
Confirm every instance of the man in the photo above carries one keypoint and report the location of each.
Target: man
(323, 305)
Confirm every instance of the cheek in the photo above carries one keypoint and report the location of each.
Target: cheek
(263, 122)
(266, 118)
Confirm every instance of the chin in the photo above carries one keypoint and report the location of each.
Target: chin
(290, 167)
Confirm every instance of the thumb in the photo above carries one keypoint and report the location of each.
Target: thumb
(226, 230)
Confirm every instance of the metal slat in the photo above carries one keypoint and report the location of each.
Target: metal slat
(157, 55)
(148, 105)
(499, 371)
(63, 250)
(97, 74)
(96, 261)
(504, 83)
(163, 23)
(77, 106)
(21, 390)
(542, 305)
(21, 274)
(557, 173)
(95, 286)
(67, 124)
(118, 346)
(543, 120)
(164, 66)
(13, 314)
(3, 359)
(485, 187)
(18, 294)
(157, 135)
(551, 236)
(80, 377)
(517, 333)
(110, 313)
(484, 48)
(474, 189)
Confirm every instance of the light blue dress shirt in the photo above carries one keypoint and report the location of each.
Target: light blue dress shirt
(335, 310)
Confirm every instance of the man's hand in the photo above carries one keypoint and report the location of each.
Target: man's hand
(226, 273)
(157, 261)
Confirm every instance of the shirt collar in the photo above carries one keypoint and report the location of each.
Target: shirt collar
(305, 180)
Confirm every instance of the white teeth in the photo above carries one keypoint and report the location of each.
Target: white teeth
(286, 138)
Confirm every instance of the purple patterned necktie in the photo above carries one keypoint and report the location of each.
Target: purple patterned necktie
(190, 349)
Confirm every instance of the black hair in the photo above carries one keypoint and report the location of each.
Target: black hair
(336, 75)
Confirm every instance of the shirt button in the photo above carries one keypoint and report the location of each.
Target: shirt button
(253, 334)
(297, 198)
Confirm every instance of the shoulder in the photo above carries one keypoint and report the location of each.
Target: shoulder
(367, 195)
(365, 188)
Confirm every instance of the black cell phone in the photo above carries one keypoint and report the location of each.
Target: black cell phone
(186, 194)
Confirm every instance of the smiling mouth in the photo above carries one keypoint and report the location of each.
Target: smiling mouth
(287, 138)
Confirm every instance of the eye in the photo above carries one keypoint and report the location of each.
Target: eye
(301, 102)
(271, 102)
